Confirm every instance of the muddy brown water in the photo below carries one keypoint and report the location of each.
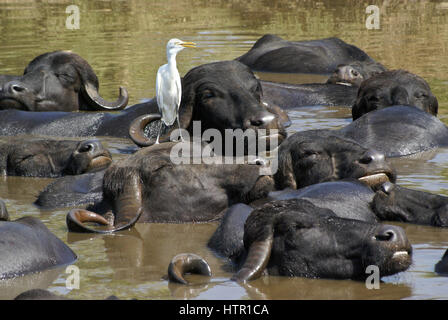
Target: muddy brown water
(124, 41)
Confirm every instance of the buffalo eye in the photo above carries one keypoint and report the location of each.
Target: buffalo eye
(64, 77)
(208, 94)
(310, 154)
(257, 89)
(373, 99)
(421, 95)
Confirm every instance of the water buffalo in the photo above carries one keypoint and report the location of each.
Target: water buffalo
(341, 88)
(56, 81)
(37, 157)
(27, 246)
(397, 131)
(353, 74)
(314, 156)
(144, 183)
(395, 87)
(222, 95)
(349, 199)
(273, 54)
(296, 238)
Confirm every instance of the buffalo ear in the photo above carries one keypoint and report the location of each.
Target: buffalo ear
(187, 108)
(285, 177)
(433, 105)
(360, 105)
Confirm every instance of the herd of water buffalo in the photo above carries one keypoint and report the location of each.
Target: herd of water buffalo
(318, 216)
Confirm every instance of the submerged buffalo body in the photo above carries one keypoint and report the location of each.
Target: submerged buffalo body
(27, 246)
(273, 54)
(56, 81)
(289, 96)
(397, 131)
(341, 88)
(36, 157)
(388, 202)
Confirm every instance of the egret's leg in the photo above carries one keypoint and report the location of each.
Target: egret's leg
(180, 132)
(158, 135)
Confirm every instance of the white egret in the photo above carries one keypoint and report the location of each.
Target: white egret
(168, 85)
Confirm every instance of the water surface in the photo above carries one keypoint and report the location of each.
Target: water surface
(124, 41)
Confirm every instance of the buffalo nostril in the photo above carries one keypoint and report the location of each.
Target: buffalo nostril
(256, 122)
(17, 88)
(372, 156)
(387, 235)
(90, 146)
(86, 148)
(262, 120)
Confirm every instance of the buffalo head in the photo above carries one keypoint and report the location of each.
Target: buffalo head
(33, 157)
(221, 95)
(56, 81)
(390, 88)
(315, 156)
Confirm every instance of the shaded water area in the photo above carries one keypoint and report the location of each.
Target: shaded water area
(124, 41)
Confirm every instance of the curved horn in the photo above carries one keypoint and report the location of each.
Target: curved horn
(128, 210)
(99, 104)
(256, 261)
(137, 128)
(187, 263)
(76, 217)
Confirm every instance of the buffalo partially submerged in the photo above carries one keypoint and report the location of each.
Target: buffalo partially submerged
(314, 156)
(56, 81)
(396, 87)
(349, 199)
(397, 131)
(148, 187)
(37, 157)
(221, 95)
(289, 96)
(353, 74)
(296, 238)
(27, 246)
(143, 183)
(341, 88)
(273, 54)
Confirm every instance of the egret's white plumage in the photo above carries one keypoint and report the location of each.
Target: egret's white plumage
(168, 85)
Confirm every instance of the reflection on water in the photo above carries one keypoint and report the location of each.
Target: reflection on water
(124, 41)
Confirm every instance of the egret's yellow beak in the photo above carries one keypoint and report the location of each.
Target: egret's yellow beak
(188, 44)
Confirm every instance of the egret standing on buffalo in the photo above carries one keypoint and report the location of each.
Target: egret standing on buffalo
(168, 85)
